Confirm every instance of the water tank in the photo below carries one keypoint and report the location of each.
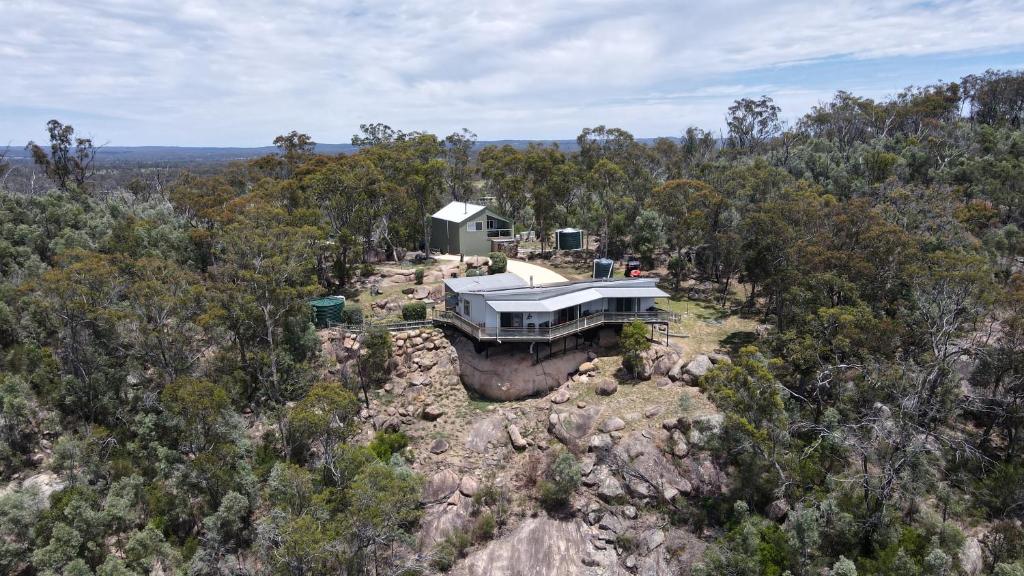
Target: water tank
(603, 268)
(568, 239)
(327, 311)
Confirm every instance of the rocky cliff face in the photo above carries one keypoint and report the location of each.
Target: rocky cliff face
(639, 453)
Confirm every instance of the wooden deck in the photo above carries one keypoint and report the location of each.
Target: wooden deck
(550, 333)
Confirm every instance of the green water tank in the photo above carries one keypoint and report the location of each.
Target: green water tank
(327, 311)
(568, 239)
(603, 267)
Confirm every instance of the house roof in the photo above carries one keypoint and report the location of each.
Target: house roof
(476, 284)
(458, 211)
(547, 304)
(506, 294)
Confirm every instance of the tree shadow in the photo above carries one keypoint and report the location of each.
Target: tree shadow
(736, 340)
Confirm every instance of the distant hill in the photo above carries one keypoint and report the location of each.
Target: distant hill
(176, 155)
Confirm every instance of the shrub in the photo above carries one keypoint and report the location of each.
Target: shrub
(414, 311)
(450, 550)
(499, 263)
(562, 480)
(385, 444)
(366, 270)
(633, 342)
(352, 316)
(483, 528)
(419, 275)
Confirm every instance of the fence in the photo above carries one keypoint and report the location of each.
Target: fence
(389, 326)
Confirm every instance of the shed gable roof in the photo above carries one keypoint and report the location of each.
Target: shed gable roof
(458, 211)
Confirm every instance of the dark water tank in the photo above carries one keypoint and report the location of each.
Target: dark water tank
(568, 239)
(327, 311)
(603, 268)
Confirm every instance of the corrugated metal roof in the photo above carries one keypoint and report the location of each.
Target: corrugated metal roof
(548, 304)
(553, 290)
(563, 299)
(485, 283)
(458, 211)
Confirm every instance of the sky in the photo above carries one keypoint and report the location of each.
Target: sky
(238, 73)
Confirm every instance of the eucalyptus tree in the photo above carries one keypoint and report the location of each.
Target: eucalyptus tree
(69, 160)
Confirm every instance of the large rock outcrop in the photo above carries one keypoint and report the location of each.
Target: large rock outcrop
(510, 373)
(573, 426)
(658, 360)
(447, 509)
(542, 547)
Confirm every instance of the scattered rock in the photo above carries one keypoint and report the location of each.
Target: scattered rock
(440, 486)
(613, 424)
(652, 540)
(679, 447)
(467, 486)
(972, 557)
(611, 523)
(432, 412)
(489, 431)
(608, 486)
(699, 366)
(600, 442)
(440, 446)
(560, 396)
(778, 510)
(717, 358)
(702, 429)
(45, 483)
(518, 442)
(676, 372)
(606, 387)
(573, 426)
(652, 411)
(587, 368)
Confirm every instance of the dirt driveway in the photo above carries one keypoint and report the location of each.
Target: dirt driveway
(524, 270)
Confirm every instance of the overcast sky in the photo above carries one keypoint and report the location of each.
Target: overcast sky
(227, 73)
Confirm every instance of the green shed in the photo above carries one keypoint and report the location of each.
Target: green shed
(463, 228)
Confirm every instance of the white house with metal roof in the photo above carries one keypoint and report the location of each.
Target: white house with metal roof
(464, 228)
(505, 307)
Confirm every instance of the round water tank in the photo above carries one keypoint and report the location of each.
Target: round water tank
(327, 311)
(568, 239)
(603, 268)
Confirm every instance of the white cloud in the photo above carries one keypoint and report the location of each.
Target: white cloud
(224, 72)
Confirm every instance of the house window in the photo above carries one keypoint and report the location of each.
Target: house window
(475, 226)
(465, 308)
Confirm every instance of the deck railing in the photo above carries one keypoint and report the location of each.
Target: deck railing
(549, 333)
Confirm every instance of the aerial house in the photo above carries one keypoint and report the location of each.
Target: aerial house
(505, 308)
